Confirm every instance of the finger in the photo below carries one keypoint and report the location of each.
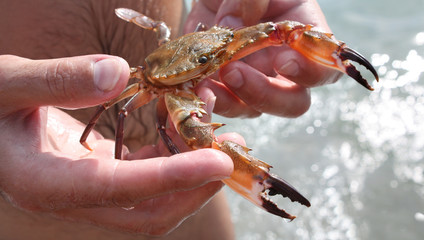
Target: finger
(288, 62)
(209, 98)
(92, 182)
(227, 103)
(237, 13)
(276, 96)
(234, 137)
(229, 14)
(303, 71)
(201, 13)
(307, 12)
(156, 216)
(66, 82)
(212, 5)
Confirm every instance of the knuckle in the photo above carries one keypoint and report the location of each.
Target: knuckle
(58, 77)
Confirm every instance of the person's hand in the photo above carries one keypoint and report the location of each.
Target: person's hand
(274, 80)
(44, 168)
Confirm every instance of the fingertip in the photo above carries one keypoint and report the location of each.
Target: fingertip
(287, 64)
(294, 66)
(278, 96)
(216, 164)
(232, 136)
(232, 77)
(207, 96)
(227, 103)
(231, 21)
(249, 84)
(299, 101)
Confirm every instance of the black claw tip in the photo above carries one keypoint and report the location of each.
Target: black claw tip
(280, 186)
(355, 74)
(272, 208)
(350, 54)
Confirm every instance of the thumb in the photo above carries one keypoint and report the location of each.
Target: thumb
(73, 82)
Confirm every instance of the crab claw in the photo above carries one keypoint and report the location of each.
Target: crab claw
(252, 180)
(350, 54)
(251, 177)
(322, 48)
(280, 186)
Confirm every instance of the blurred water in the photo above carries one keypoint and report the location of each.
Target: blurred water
(357, 155)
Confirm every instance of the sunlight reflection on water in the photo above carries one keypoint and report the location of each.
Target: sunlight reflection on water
(363, 168)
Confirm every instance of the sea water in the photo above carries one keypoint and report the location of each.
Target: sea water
(358, 156)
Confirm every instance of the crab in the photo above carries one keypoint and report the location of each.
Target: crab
(171, 72)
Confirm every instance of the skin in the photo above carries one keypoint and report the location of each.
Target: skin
(53, 188)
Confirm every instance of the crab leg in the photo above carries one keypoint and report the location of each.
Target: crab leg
(128, 92)
(318, 46)
(141, 98)
(161, 118)
(251, 177)
(162, 30)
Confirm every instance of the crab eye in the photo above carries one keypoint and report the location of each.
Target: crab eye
(203, 59)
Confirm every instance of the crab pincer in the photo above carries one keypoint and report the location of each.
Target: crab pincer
(251, 177)
(346, 54)
(322, 48)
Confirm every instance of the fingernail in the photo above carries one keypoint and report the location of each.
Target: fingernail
(107, 73)
(231, 21)
(233, 78)
(290, 68)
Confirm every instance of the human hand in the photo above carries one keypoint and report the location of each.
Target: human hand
(44, 168)
(275, 80)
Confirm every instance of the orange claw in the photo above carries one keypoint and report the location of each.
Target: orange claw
(323, 48)
(252, 180)
(251, 177)
(317, 46)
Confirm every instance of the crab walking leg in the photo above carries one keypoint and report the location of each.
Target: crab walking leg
(128, 92)
(251, 177)
(162, 30)
(161, 118)
(141, 98)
